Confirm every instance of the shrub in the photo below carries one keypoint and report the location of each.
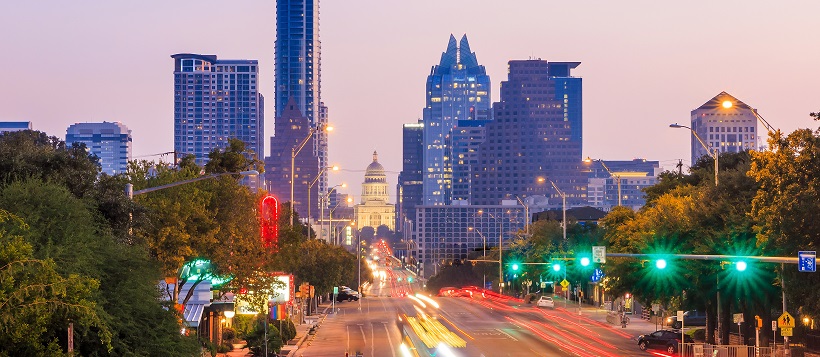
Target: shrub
(228, 334)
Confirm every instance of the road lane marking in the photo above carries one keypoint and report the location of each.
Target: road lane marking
(348, 338)
(390, 340)
(372, 341)
(508, 335)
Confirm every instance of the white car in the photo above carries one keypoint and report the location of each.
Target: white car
(546, 301)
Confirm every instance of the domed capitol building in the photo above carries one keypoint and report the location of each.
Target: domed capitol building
(374, 210)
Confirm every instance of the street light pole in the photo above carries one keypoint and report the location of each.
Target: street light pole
(564, 224)
(293, 152)
(708, 148)
(614, 175)
(527, 213)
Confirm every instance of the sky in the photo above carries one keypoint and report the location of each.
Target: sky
(644, 64)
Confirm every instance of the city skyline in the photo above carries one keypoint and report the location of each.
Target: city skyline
(643, 69)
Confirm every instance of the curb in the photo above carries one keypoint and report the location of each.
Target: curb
(305, 335)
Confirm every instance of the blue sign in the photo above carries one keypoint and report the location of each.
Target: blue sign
(597, 275)
(488, 285)
(807, 261)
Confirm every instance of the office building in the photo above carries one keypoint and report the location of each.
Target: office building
(634, 176)
(724, 123)
(466, 138)
(446, 233)
(110, 142)
(534, 137)
(458, 88)
(374, 210)
(410, 187)
(298, 70)
(215, 100)
(290, 128)
(6, 126)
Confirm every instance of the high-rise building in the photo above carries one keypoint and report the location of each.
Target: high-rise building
(374, 209)
(111, 142)
(466, 137)
(458, 88)
(290, 128)
(534, 137)
(299, 69)
(14, 126)
(215, 100)
(724, 123)
(409, 186)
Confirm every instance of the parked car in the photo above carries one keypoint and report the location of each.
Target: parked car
(690, 318)
(667, 340)
(546, 301)
(345, 296)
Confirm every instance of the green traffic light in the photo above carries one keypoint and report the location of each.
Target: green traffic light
(585, 261)
(556, 267)
(515, 266)
(740, 266)
(409, 279)
(660, 263)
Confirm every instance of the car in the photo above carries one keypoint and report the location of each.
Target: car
(546, 301)
(345, 296)
(690, 318)
(668, 340)
(447, 291)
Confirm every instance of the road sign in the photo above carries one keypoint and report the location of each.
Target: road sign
(774, 325)
(543, 285)
(786, 331)
(597, 275)
(785, 320)
(599, 254)
(488, 285)
(737, 318)
(807, 261)
(335, 290)
(564, 283)
(656, 308)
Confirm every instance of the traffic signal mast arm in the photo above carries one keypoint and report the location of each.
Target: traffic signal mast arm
(786, 260)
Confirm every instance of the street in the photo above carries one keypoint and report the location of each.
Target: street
(490, 326)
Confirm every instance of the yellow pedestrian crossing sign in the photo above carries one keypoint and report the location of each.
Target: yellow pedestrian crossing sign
(785, 321)
(786, 331)
(564, 283)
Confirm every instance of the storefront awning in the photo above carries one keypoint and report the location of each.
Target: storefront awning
(193, 314)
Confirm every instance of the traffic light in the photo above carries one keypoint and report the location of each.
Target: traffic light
(515, 267)
(556, 267)
(409, 279)
(660, 263)
(741, 265)
(584, 261)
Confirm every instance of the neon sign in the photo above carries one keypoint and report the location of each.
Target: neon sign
(269, 221)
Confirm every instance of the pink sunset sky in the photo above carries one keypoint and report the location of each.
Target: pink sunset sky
(645, 64)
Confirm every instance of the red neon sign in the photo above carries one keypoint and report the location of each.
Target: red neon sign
(268, 221)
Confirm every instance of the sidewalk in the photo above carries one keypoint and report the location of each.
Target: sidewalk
(303, 330)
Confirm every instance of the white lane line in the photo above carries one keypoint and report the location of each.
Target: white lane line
(364, 339)
(390, 340)
(508, 335)
(372, 341)
(347, 328)
(383, 305)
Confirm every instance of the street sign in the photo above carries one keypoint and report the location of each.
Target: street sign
(543, 285)
(807, 261)
(656, 308)
(785, 320)
(599, 254)
(488, 285)
(786, 331)
(335, 290)
(597, 275)
(564, 283)
(737, 318)
(680, 315)
(774, 325)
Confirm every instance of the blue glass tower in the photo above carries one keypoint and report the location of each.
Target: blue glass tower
(458, 88)
(298, 69)
(111, 142)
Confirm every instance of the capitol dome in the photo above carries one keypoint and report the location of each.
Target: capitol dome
(375, 171)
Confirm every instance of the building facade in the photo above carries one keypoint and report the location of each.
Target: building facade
(466, 136)
(446, 233)
(724, 123)
(534, 137)
(215, 100)
(6, 126)
(374, 209)
(458, 88)
(110, 142)
(298, 70)
(290, 128)
(410, 187)
(635, 175)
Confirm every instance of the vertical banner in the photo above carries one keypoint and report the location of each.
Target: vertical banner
(279, 312)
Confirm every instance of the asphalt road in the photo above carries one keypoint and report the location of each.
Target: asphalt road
(489, 326)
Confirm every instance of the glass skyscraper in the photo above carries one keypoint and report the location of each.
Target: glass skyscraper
(458, 88)
(298, 69)
(410, 178)
(215, 100)
(535, 133)
(111, 142)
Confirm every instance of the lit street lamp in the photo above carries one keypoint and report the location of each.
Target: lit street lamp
(614, 175)
(564, 224)
(323, 203)
(500, 251)
(310, 188)
(295, 151)
(705, 146)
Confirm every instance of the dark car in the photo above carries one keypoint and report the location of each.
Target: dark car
(690, 318)
(347, 296)
(667, 340)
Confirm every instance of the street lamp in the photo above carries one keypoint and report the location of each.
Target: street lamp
(295, 151)
(527, 213)
(483, 238)
(323, 202)
(500, 251)
(310, 188)
(705, 146)
(614, 175)
(564, 224)
(129, 188)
